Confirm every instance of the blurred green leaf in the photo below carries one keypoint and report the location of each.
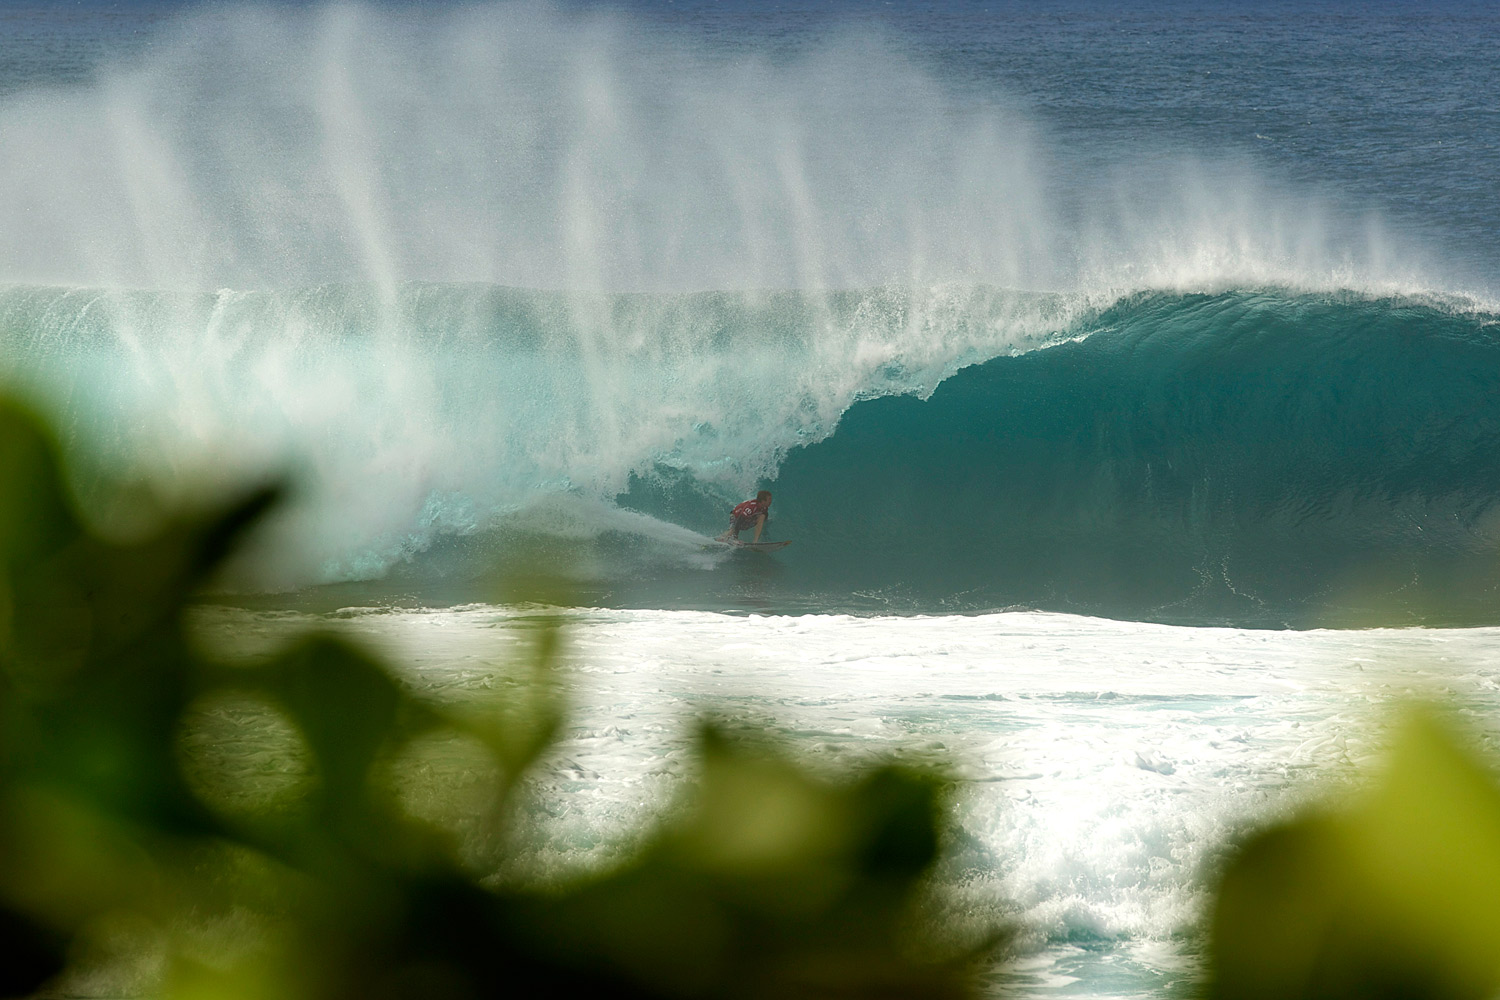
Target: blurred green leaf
(349, 711)
(1399, 897)
(772, 883)
(33, 952)
(766, 882)
(35, 520)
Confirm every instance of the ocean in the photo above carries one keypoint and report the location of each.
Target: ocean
(1126, 380)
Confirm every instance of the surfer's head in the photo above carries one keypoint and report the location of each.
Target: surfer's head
(764, 496)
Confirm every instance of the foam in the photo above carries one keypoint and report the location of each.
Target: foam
(1105, 864)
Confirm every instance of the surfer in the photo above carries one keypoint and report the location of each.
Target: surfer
(750, 514)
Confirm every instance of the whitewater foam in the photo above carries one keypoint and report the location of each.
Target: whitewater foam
(1107, 764)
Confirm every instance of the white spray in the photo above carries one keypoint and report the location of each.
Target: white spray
(277, 238)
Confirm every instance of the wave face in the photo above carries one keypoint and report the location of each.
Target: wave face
(1239, 457)
(1249, 457)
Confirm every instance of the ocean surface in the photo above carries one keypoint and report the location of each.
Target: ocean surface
(1128, 381)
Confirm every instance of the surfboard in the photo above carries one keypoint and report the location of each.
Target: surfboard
(755, 546)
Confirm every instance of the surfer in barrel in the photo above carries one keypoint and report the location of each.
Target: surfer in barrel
(750, 514)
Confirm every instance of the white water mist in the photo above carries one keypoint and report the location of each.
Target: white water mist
(278, 237)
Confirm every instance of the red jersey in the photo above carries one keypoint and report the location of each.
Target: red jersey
(748, 511)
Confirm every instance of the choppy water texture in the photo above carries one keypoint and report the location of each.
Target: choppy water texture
(1184, 314)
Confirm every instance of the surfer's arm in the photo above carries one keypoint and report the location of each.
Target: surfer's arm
(760, 522)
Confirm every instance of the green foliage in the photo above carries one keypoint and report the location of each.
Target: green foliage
(767, 883)
(1397, 898)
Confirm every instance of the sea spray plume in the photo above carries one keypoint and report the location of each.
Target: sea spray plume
(510, 144)
(126, 800)
(539, 147)
(514, 144)
(1192, 224)
(313, 209)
